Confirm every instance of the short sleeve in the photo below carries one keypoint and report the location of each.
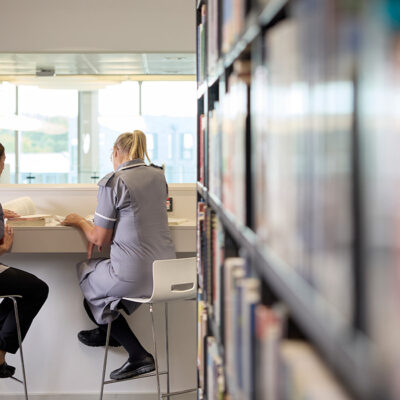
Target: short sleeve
(106, 212)
(1, 223)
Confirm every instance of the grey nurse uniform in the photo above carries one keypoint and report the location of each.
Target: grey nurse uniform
(132, 202)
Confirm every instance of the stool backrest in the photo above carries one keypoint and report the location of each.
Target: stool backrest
(174, 279)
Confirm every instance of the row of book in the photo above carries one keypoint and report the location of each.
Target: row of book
(302, 109)
(242, 350)
(303, 147)
(220, 27)
(300, 101)
(252, 359)
(227, 138)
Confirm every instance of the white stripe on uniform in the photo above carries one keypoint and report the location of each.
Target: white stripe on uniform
(102, 216)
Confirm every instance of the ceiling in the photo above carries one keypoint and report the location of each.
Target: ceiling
(98, 64)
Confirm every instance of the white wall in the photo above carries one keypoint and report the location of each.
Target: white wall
(46, 26)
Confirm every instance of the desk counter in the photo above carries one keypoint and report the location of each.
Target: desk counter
(66, 239)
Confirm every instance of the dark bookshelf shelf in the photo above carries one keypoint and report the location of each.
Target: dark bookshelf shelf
(218, 71)
(202, 190)
(347, 352)
(270, 11)
(201, 90)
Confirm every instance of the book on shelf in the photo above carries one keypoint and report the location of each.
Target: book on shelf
(212, 37)
(269, 330)
(233, 18)
(241, 296)
(234, 107)
(204, 246)
(218, 237)
(215, 371)
(202, 318)
(303, 375)
(202, 134)
(201, 242)
(215, 152)
(201, 45)
(234, 270)
(249, 293)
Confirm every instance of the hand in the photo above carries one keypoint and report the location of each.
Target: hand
(8, 238)
(10, 214)
(90, 249)
(72, 220)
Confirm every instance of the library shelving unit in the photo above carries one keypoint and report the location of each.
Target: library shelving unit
(284, 253)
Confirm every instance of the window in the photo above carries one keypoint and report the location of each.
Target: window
(169, 108)
(151, 139)
(7, 128)
(187, 146)
(66, 136)
(48, 135)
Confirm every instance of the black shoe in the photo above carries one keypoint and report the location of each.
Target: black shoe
(95, 338)
(134, 368)
(6, 371)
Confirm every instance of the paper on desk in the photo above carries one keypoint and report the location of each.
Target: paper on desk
(176, 221)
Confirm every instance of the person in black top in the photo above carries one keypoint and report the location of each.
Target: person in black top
(15, 282)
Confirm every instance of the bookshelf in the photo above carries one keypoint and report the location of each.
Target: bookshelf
(282, 98)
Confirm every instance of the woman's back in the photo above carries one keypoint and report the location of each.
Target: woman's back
(141, 233)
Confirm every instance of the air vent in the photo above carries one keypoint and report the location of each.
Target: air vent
(45, 71)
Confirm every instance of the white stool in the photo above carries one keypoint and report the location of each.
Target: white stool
(172, 280)
(13, 298)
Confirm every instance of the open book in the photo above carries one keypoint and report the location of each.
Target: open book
(25, 207)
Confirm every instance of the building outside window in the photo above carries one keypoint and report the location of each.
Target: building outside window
(66, 136)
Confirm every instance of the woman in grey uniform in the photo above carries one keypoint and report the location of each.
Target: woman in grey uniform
(131, 214)
(14, 281)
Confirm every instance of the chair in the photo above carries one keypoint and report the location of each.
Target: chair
(23, 382)
(172, 280)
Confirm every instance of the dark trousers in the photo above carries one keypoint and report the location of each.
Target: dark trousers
(122, 333)
(34, 293)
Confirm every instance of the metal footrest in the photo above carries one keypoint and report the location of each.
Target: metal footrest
(147, 375)
(178, 393)
(16, 379)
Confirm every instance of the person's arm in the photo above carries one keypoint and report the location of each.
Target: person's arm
(96, 235)
(7, 240)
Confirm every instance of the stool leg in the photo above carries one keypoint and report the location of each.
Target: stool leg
(20, 345)
(166, 346)
(105, 360)
(155, 351)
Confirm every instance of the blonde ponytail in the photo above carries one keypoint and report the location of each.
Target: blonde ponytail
(133, 144)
